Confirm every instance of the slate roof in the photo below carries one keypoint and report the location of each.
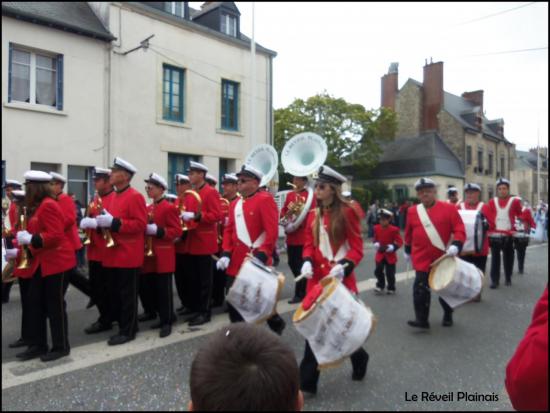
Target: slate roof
(423, 155)
(527, 160)
(75, 17)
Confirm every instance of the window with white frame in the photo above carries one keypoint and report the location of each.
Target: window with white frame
(229, 24)
(79, 184)
(174, 7)
(46, 167)
(35, 77)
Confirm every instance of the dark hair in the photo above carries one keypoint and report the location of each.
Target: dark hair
(245, 367)
(35, 192)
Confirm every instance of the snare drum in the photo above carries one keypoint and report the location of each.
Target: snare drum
(475, 231)
(336, 325)
(455, 281)
(497, 239)
(521, 240)
(255, 291)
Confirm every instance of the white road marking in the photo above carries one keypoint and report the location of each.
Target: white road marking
(15, 373)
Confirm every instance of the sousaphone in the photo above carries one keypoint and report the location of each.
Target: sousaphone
(264, 158)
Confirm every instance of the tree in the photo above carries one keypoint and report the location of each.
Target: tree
(353, 134)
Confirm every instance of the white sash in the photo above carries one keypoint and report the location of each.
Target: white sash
(503, 217)
(432, 233)
(304, 212)
(325, 247)
(242, 230)
(478, 208)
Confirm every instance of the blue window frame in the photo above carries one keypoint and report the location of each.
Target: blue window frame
(230, 105)
(172, 93)
(178, 164)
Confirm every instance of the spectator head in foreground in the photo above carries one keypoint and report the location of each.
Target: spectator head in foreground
(248, 368)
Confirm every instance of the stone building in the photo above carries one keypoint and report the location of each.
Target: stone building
(525, 176)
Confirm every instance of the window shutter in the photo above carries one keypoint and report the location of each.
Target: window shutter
(59, 99)
(9, 73)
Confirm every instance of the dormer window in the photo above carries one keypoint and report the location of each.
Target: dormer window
(175, 7)
(228, 24)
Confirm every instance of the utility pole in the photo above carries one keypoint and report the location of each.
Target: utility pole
(252, 84)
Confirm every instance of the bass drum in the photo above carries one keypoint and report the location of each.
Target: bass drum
(475, 231)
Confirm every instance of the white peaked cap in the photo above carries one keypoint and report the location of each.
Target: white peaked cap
(12, 182)
(211, 178)
(37, 176)
(327, 174)
(251, 171)
(157, 180)
(18, 193)
(121, 163)
(197, 166)
(58, 177)
(424, 183)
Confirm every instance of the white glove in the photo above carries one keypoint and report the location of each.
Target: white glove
(452, 251)
(290, 227)
(223, 263)
(337, 271)
(407, 257)
(88, 223)
(376, 246)
(11, 253)
(389, 248)
(105, 220)
(307, 269)
(151, 229)
(188, 216)
(24, 237)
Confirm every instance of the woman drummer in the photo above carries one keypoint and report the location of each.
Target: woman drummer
(335, 219)
(51, 256)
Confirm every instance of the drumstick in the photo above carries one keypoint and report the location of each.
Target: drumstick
(302, 276)
(215, 257)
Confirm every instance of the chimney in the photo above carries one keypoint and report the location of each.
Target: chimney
(433, 94)
(389, 86)
(476, 97)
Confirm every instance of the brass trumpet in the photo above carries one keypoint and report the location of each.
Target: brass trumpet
(294, 210)
(181, 208)
(88, 232)
(106, 233)
(7, 272)
(150, 252)
(25, 254)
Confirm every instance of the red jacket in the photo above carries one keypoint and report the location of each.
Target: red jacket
(485, 211)
(447, 222)
(358, 209)
(166, 216)
(69, 219)
(321, 265)
(260, 215)
(203, 239)
(56, 253)
(128, 230)
(514, 212)
(527, 371)
(385, 237)
(527, 219)
(97, 248)
(297, 237)
(190, 204)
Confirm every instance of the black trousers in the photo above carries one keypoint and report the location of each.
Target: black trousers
(200, 267)
(183, 279)
(390, 275)
(47, 302)
(147, 293)
(295, 262)
(422, 298)
(26, 309)
(164, 298)
(309, 372)
(100, 293)
(479, 261)
(80, 282)
(6, 288)
(123, 288)
(507, 249)
(521, 250)
(275, 322)
(218, 286)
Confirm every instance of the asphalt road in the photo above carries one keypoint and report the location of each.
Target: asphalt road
(152, 374)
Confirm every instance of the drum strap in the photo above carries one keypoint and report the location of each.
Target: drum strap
(478, 207)
(432, 233)
(242, 230)
(503, 217)
(326, 248)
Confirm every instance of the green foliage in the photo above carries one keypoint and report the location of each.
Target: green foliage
(378, 191)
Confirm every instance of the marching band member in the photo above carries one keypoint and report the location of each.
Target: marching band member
(172, 198)
(387, 241)
(333, 247)
(452, 195)
(472, 202)
(202, 242)
(158, 269)
(524, 225)
(430, 226)
(229, 186)
(503, 211)
(24, 276)
(252, 228)
(295, 233)
(52, 256)
(210, 180)
(347, 196)
(126, 219)
(96, 250)
(9, 186)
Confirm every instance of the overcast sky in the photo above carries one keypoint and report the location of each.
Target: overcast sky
(344, 48)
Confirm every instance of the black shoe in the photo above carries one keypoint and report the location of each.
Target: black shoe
(493, 286)
(447, 320)
(119, 339)
(54, 355)
(419, 324)
(97, 327)
(199, 320)
(166, 330)
(187, 311)
(190, 317)
(181, 310)
(146, 317)
(158, 324)
(90, 304)
(31, 353)
(508, 283)
(390, 292)
(295, 300)
(360, 372)
(19, 343)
